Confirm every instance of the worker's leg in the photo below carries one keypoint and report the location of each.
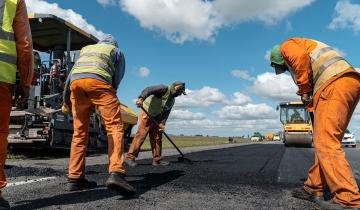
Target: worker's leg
(5, 109)
(81, 110)
(104, 98)
(332, 115)
(142, 132)
(315, 183)
(156, 142)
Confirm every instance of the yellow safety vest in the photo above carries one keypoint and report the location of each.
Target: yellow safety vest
(8, 53)
(156, 106)
(326, 62)
(96, 59)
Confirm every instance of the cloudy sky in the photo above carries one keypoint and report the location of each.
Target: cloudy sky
(220, 48)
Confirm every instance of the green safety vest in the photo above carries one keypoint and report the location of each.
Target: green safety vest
(156, 106)
(96, 59)
(8, 53)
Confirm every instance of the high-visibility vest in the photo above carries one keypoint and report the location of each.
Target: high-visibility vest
(96, 59)
(326, 62)
(156, 106)
(8, 53)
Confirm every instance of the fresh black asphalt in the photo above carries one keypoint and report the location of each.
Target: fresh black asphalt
(256, 176)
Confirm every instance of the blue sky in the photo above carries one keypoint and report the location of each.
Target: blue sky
(218, 48)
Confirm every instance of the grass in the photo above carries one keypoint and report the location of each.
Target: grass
(193, 141)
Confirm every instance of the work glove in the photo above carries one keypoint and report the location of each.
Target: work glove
(139, 102)
(306, 98)
(65, 109)
(24, 96)
(161, 127)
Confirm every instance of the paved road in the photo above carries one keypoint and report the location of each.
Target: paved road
(256, 176)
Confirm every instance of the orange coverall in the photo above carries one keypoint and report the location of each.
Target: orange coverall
(85, 94)
(146, 126)
(25, 64)
(333, 106)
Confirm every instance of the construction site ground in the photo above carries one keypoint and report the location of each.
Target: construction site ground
(231, 176)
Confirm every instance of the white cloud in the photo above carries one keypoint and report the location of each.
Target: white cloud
(186, 115)
(143, 71)
(357, 112)
(357, 69)
(240, 99)
(267, 55)
(177, 20)
(347, 16)
(204, 97)
(275, 87)
(247, 112)
(105, 3)
(187, 20)
(242, 74)
(41, 6)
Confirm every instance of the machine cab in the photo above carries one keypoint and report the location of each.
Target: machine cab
(294, 113)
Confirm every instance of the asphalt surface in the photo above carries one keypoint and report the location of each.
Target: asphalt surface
(255, 176)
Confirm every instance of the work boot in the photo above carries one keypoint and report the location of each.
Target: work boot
(80, 184)
(333, 206)
(160, 163)
(302, 194)
(117, 182)
(130, 163)
(4, 204)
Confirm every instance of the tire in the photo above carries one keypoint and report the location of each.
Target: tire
(353, 146)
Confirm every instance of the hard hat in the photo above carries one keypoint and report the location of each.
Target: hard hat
(275, 56)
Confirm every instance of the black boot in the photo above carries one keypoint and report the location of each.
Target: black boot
(80, 184)
(117, 182)
(302, 194)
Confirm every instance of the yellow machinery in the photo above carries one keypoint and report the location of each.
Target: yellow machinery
(296, 123)
(42, 124)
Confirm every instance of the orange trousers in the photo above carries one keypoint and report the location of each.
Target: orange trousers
(5, 109)
(85, 94)
(333, 110)
(146, 126)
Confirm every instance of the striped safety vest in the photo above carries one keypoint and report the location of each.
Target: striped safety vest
(8, 53)
(96, 59)
(326, 62)
(156, 106)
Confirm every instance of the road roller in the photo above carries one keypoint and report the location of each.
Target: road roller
(296, 124)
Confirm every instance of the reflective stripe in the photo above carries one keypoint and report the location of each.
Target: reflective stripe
(326, 65)
(7, 36)
(95, 64)
(100, 55)
(8, 58)
(320, 52)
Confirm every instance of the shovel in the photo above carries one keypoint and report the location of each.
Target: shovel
(181, 159)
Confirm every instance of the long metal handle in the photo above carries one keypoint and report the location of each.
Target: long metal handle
(157, 124)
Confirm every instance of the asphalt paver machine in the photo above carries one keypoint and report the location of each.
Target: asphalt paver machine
(41, 123)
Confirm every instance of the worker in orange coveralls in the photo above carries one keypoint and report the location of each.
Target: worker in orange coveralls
(330, 87)
(16, 53)
(92, 83)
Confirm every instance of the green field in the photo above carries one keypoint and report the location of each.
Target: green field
(193, 141)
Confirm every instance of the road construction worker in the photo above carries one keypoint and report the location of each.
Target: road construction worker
(16, 50)
(93, 82)
(157, 101)
(330, 87)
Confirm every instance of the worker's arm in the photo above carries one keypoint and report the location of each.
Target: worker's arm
(24, 45)
(157, 90)
(119, 63)
(297, 57)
